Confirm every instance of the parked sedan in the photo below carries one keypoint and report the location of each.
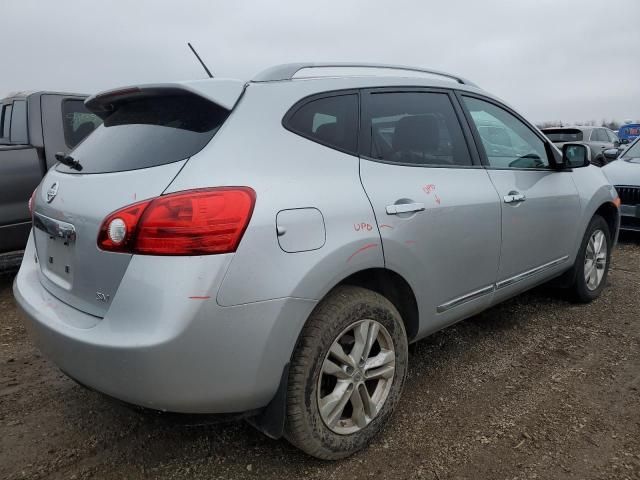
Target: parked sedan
(598, 139)
(625, 175)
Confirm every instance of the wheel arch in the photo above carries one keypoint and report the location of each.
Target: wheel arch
(611, 215)
(271, 420)
(394, 288)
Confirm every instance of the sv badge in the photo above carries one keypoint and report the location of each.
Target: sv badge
(102, 297)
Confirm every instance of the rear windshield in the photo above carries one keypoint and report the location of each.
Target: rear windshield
(149, 132)
(77, 122)
(566, 135)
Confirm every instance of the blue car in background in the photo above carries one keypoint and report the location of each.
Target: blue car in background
(629, 132)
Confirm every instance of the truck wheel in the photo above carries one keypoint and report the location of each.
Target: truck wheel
(592, 263)
(346, 373)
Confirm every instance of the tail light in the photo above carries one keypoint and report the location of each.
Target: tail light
(193, 222)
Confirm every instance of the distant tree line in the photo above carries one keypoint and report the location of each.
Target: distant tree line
(613, 124)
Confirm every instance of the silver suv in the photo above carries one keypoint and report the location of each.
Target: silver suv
(270, 248)
(599, 139)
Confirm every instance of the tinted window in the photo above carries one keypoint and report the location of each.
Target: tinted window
(77, 122)
(564, 135)
(612, 136)
(19, 122)
(332, 121)
(599, 135)
(148, 132)
(507, 141)
(416, 128)
(6, 122)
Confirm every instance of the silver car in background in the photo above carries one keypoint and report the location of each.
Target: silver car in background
(624, 174)
(598, 139)
(271, 247)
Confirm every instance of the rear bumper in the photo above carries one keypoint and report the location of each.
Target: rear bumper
(160, 348)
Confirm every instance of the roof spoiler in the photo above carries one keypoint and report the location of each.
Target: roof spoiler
(224, 93)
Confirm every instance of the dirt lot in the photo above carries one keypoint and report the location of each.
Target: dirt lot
(535, 388)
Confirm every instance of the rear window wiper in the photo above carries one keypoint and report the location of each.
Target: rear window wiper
(68, 160)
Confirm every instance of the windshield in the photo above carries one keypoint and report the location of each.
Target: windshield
(632, 152)
(565, 135)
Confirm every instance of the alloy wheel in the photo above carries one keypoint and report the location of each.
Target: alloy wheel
(356, 377)
(595, 260)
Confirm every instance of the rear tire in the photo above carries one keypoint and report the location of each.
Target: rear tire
(592, 263)
(346, 374)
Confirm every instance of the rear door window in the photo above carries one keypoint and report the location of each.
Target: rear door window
(330, 121)
(148, 132)
(414, 128)
(77, 122)
(19, 123)
(599, 135)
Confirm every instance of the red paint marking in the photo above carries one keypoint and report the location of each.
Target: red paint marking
(410, 242)
(384, 225)
(362, 249)
(200, 298)
(362, 226)
(429, 188)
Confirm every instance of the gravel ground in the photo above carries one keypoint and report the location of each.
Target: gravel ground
(534, 388)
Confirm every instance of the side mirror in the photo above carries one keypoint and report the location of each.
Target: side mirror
(616, 144)
(611, 153)
(575, 155)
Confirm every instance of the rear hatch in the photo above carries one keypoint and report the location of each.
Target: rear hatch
(147, 136)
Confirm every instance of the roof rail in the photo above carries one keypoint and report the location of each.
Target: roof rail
(288, 70)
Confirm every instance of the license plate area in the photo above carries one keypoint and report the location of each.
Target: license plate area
(55, 242)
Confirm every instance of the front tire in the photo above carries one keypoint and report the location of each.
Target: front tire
(346, 373)
(592, 263)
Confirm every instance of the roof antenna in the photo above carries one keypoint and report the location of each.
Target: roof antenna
(200, 60)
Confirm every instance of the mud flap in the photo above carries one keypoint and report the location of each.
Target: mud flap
(271, 419)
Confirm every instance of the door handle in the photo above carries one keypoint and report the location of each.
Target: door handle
(514, 197)
(404, 208)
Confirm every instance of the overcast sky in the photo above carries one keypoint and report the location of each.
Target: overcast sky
(551, 59)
